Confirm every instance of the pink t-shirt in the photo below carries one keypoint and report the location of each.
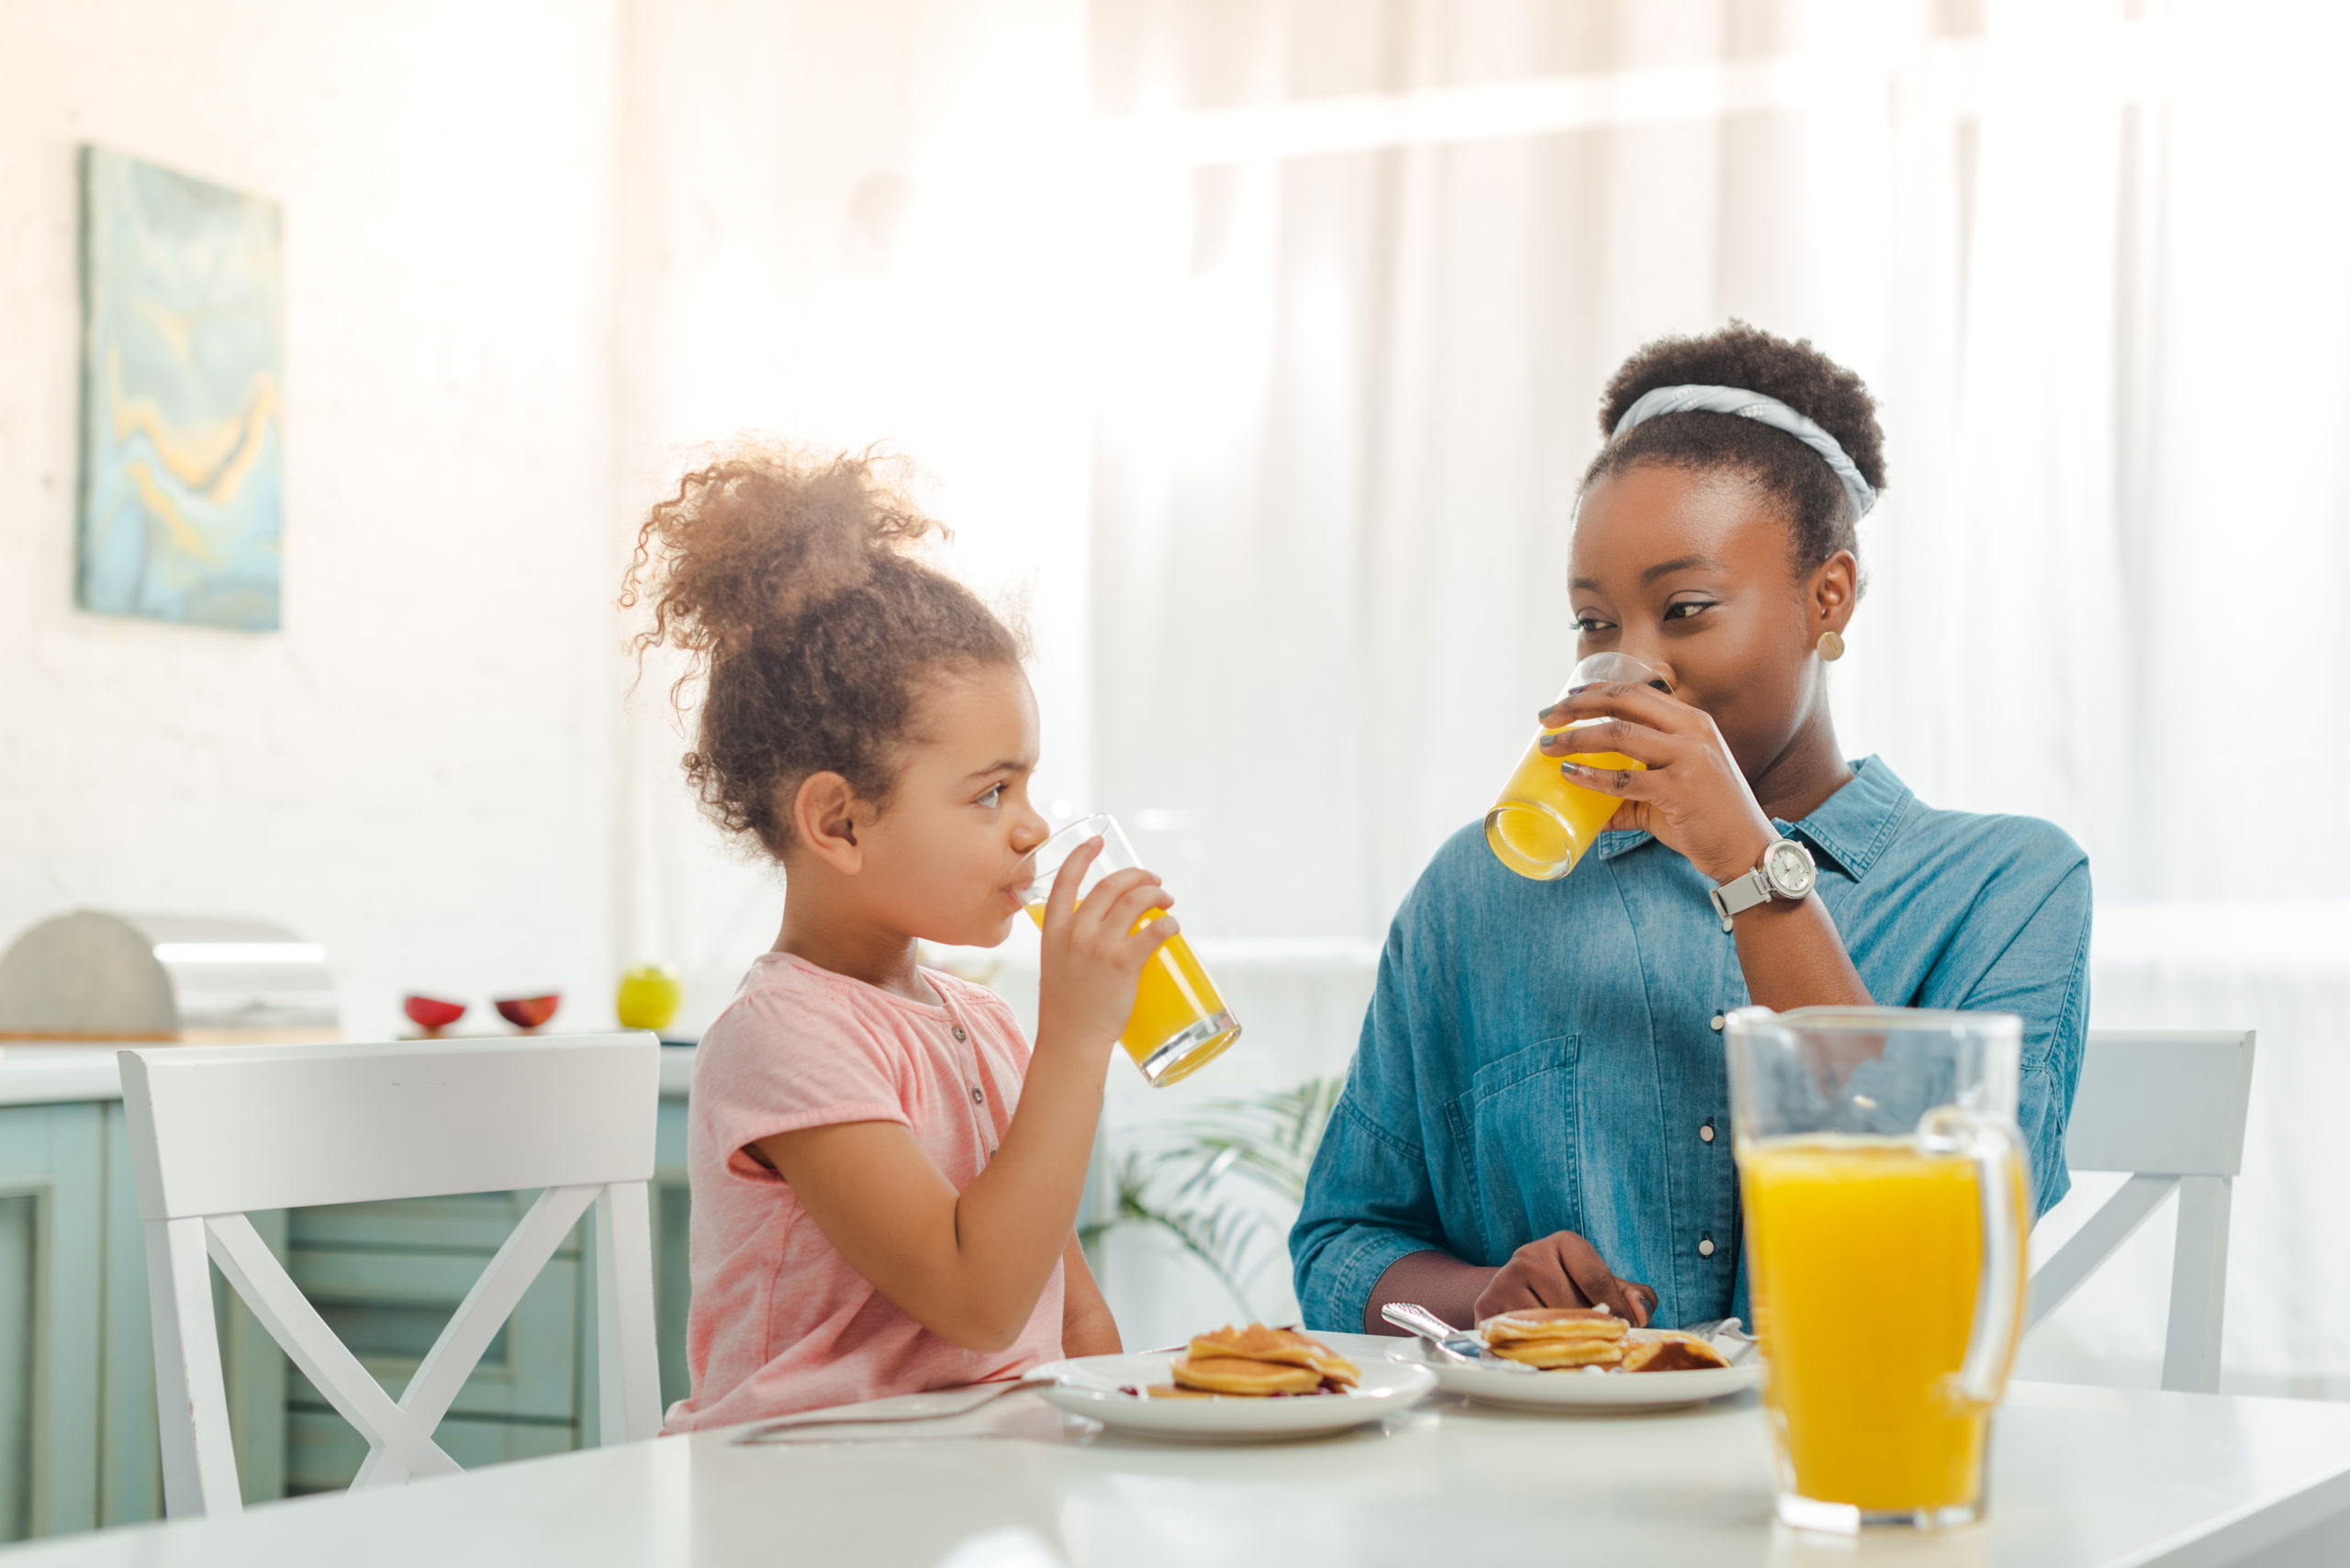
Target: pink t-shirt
(781, 1322)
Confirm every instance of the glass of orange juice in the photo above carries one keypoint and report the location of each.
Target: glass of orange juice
(1180, 1022)
(1883, 1179)
(1543, 824)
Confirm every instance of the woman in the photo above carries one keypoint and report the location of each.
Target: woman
(1538, 1110)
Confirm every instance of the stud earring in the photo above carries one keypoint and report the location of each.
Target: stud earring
(1831, 646)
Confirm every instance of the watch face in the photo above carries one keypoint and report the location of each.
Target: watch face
(1788, 867)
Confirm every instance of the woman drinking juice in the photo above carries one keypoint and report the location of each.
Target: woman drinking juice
(1538, 1112)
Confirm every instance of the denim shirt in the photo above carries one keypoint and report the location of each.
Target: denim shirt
(1548, 1056)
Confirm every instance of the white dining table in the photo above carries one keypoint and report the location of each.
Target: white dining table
(2081, 1477)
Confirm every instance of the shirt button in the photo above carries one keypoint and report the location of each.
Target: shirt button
(1706, 1133)
(1716, 1023)
(960, 1036)
(976, 1097)
(1705, 1246)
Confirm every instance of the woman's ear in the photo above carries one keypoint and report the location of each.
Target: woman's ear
(1835, 592)
(825, 814)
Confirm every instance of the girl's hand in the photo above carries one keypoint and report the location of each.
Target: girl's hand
(1092, 953)
(1693, 795)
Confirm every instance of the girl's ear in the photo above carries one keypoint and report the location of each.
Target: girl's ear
(824, 816)
(1835, 590)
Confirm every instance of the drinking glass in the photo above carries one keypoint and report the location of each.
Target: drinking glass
(1180, 1022)
(1883, 1178)
(1542, 823)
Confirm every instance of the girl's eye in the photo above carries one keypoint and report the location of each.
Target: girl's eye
(1588, 624)
(992, 797)
(1683, 610)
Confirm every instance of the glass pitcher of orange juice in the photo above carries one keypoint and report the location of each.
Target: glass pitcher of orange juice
(1540, 824)
(1180, 1022)
(1883, 1179)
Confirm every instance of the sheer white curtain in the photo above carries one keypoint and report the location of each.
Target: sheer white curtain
(1361, 283)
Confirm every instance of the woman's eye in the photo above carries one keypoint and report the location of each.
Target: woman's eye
(1683, 610)
(1588, 624)
(992, 797)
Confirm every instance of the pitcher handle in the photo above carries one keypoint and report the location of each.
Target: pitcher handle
(1996, 1150)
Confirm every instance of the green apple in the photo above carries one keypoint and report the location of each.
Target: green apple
(649, 995)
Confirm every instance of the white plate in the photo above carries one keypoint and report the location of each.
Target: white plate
(1088, 1387)
(1577, 1389)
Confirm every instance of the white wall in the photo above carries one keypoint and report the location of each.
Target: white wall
(850, 224)
(414, 771)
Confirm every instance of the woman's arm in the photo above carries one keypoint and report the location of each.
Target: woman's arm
(1792, 954)
(2042, 974)
(1369, 1205)
(1086, 1327)
(1693, 796)
(970, 1266)
(1370, 1230)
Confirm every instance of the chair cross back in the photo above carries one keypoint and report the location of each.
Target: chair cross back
(218, 1132)
(2168, 1107)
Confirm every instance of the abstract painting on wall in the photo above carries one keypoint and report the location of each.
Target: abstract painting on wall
(182, 356)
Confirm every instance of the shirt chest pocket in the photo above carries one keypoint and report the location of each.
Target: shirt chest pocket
(1514, 1136)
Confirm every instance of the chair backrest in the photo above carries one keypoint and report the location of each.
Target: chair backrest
(2168, 1107)
(217, 1132)
(2162, 1101)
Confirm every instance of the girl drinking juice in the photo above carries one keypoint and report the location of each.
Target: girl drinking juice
(885, 1176)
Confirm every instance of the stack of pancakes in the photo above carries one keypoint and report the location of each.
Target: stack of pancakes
(1257, 1362)
(1566, 1336)
(1550, 1336)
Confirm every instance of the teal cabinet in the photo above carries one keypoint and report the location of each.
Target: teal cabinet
(52, 1195)
(78, 1443)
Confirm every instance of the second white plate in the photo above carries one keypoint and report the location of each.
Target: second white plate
(1089, 1385)
(1578, 1389)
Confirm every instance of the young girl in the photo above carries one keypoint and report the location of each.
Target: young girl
(885, 1179)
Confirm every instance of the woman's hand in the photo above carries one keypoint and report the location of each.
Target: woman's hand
(1693, 796)
(1093, 954)
(1563, 1270)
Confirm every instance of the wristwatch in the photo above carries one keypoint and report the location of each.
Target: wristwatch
(1787, 872)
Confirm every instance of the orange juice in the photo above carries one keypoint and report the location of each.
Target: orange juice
(1543, 824)
(1178, 1024)
(1865, 1254)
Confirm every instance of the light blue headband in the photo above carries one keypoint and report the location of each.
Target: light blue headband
(1751, 405)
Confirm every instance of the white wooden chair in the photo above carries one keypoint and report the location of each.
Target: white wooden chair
(216, 1131)
(2168, 1107)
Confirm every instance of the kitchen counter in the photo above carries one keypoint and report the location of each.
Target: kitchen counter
(43, 1072)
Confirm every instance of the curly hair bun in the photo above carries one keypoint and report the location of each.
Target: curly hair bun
(1795, 374)
(765, 534)
(792, 579)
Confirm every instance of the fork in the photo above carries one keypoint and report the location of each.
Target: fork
(1740, 1344)
(941, 1406)
(1450, 1342)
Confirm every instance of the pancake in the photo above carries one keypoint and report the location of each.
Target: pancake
(1538, 1324)
(1663, 1350)
(1231, 1374)
(1550, 1354)
(1281, 1346)
(1169, 1391)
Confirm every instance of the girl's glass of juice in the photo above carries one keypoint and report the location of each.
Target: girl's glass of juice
(1180, 1022)
(1543, 824)
(1883, 1179)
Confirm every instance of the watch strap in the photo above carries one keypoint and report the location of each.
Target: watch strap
(1741, 893)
